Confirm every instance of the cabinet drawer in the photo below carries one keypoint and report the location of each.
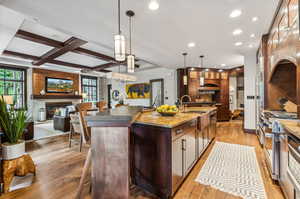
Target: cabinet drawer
(178, 132)
(184, 128)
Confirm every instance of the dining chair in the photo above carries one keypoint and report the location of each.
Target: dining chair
(75, 128)
(101, 105)
(83, 109)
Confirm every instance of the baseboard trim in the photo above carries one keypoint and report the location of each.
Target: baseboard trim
(250, 131)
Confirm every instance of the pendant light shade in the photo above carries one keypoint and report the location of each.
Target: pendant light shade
(120, 49)
(130, 63)
(185, 78)
(202, 80)
(130, 57)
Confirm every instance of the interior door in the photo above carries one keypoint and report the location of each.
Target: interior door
(156, 92)
(109, 88)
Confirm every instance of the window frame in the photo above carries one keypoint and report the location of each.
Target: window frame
(24, 70)
(89, 86)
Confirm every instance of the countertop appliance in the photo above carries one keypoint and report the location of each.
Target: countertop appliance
(269, 138)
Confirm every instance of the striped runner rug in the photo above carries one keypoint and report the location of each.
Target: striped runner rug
(233, 169)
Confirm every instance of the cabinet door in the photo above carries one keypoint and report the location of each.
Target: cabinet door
(190, 152)
(200, 142)
(206, 137)
(177, 162)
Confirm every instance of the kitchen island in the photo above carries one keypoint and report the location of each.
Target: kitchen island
(162, 149)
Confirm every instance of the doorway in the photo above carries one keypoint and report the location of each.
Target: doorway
(109, 87)
(156, 92)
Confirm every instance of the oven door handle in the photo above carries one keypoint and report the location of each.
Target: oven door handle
(294, 153)
(293, 180)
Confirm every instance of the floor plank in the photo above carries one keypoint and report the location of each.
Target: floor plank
(59, 169)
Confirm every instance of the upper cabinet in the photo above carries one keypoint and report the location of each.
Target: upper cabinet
(280, 55)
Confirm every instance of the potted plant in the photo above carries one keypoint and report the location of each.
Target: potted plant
(13, 124)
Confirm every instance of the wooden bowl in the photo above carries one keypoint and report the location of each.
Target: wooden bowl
(168, 114)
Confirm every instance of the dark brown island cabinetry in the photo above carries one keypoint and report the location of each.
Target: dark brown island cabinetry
(163, 156)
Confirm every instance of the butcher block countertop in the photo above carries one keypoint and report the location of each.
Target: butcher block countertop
(155, 119)
(292, 127)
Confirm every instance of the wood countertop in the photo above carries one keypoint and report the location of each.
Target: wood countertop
(292, 127)
(155, 119)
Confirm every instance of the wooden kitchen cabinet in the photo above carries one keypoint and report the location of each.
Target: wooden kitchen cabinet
(163, 157)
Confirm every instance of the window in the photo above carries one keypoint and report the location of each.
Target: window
(12, 82)
(89, 87)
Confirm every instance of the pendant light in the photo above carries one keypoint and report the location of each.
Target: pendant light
(202, 73)
(120, 54)
(185, 79)
(130, 57)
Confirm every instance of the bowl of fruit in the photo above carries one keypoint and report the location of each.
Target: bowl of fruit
(167, 110)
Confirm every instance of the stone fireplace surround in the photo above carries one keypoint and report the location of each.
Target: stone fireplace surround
(37, 104)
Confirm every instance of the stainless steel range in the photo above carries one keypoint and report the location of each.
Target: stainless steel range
(269, 137)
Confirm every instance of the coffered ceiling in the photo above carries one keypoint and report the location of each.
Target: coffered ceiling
(159, 37)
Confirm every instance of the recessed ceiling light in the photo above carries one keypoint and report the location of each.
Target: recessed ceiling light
(191, 44)
(235, 13)
(250, 46)
(238, 43)
(207, 70)
(237, 32)
(220, 70)
(254, 19)
(252, 35)
(153, 5)
(223, 65)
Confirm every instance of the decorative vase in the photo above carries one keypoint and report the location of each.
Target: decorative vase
(43, 92)
(13, 151)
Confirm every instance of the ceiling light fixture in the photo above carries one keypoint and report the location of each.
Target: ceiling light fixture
(191, 44)
(220, 70)
(223, 65)
(238, 43)
(235, 13)
(254, 19)
(185, 79)
(250, 46)
(202, 75)
(252, 35)
(130, 57)
(120, 54)
(237, 32)
(153, 5)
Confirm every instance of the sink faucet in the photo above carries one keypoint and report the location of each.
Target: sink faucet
(181, 102)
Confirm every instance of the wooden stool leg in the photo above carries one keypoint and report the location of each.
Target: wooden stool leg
(84, 174)
(80, 145)
(70, 136)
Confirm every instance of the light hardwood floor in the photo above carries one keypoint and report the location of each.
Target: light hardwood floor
(58, 170)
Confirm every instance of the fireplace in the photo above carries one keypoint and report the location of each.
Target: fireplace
(52, 106)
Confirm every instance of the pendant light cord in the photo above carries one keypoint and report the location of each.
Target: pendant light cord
(130, 27)
(119, 16)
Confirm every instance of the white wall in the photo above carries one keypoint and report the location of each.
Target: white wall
(170, 86)
(233, 93)
(10, 22)
(250, 90)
